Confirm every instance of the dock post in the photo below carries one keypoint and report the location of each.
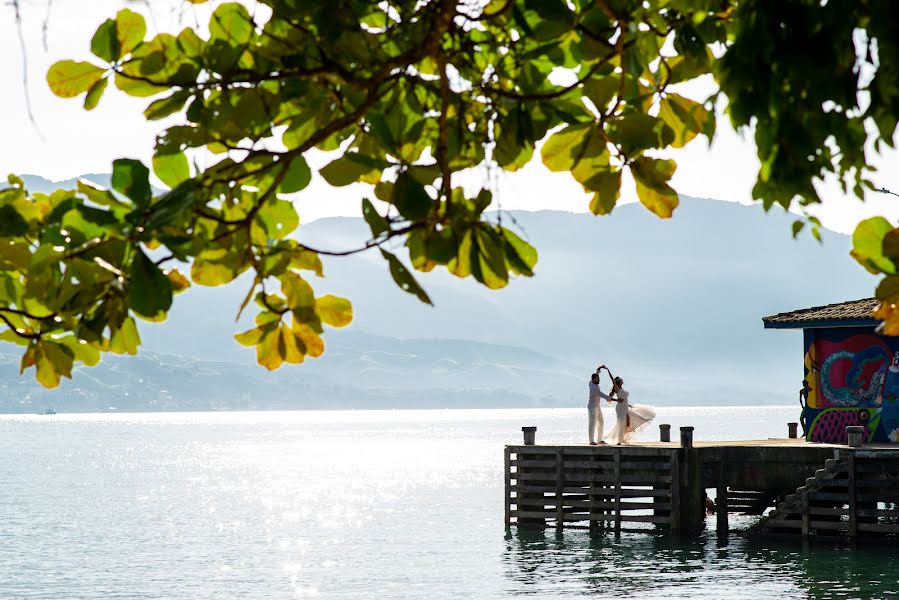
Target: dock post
(692, 493)
(664, 432)
(617, 491)
(686, 437)
(530, 435)
(854, 434)
(721, 501)
(793, 430)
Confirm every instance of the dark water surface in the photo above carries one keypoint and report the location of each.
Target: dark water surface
(355, 504)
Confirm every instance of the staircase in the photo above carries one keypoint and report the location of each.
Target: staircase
(854, 494)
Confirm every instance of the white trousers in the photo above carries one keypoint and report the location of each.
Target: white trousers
(595, 423)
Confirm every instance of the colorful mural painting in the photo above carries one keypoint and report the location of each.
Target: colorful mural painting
(851, 378)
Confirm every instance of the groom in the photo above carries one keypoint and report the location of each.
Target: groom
(594, 413)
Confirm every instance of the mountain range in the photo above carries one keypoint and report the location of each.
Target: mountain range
(674, 306)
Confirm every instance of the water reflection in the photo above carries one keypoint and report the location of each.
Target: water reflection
(543, 564)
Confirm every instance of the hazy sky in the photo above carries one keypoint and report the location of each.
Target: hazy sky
(69, 141)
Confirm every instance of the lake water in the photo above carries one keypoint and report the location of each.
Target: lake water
(355, 504)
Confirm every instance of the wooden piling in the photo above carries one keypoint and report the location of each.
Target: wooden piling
(721, 502)
(508, 468)
(664, 432)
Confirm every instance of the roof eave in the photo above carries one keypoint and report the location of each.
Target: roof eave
(819, 324)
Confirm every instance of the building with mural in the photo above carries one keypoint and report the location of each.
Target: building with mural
(851, 373)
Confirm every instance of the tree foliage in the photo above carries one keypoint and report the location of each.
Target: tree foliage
(405, 95)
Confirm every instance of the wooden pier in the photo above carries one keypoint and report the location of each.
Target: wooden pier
(809, 488)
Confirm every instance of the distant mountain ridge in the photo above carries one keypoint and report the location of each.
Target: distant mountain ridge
(674, 306)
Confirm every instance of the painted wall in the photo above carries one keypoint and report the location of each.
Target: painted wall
(852, 378)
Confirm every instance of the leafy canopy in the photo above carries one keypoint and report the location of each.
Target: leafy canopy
(406, 94)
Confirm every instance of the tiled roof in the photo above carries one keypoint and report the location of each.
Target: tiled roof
(854, 312)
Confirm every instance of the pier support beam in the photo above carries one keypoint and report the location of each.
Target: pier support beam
(692, 492)
(721, 501)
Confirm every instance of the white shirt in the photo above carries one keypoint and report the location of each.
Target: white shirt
(595, 395)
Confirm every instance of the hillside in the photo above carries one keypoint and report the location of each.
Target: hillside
(673, 306)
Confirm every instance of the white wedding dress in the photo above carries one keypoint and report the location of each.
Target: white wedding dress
(630, 419)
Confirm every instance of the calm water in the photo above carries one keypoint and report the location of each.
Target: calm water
(386, 504)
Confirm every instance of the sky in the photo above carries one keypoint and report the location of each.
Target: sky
(67, 141)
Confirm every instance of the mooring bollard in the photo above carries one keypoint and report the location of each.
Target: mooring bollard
(530, 434)
(686, 437)
(664, 432)
(793, 430)
(854, 434)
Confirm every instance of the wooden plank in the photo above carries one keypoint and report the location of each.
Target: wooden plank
(626, 518)
(879, 527)
(618, 492)
(814, 510)
(586, 504)
(585, 479)
(625, 492)
(534, 464)
(608, 451)
(853, 506)
(608, 465)
(783, 523)
(508, 478)
(826, 496)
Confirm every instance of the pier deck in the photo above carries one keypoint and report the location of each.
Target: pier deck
(811, 488)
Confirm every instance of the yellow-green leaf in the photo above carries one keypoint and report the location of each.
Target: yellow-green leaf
(651, 176)
(334, 310)
(68, 78)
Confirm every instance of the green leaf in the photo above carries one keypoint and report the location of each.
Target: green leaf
(231, 22)
(130, 30)
(164, 107)
(868, 245)
(563, 149)
(52, 361)
(125, 339)
(652, 177)
(797, 227)
(685, 117)
(68, 78)
(601, 90)
(139, 88)
(608, 190)
(334, 310)
(638, 131)
(297, 178)
(410, 198)
(277, 219)
(149, 290)
(488, 263)
(350, 168)
(172, 169)
(172, 204)
(92, 98)
(404, 278)
(297, 291)
(521, 256)
(132, 178)
(376, 222)
(105, 43)
(12, 224)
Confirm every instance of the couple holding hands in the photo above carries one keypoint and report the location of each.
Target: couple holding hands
(629, 418)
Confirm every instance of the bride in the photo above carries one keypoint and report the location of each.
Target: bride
(630, 418)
